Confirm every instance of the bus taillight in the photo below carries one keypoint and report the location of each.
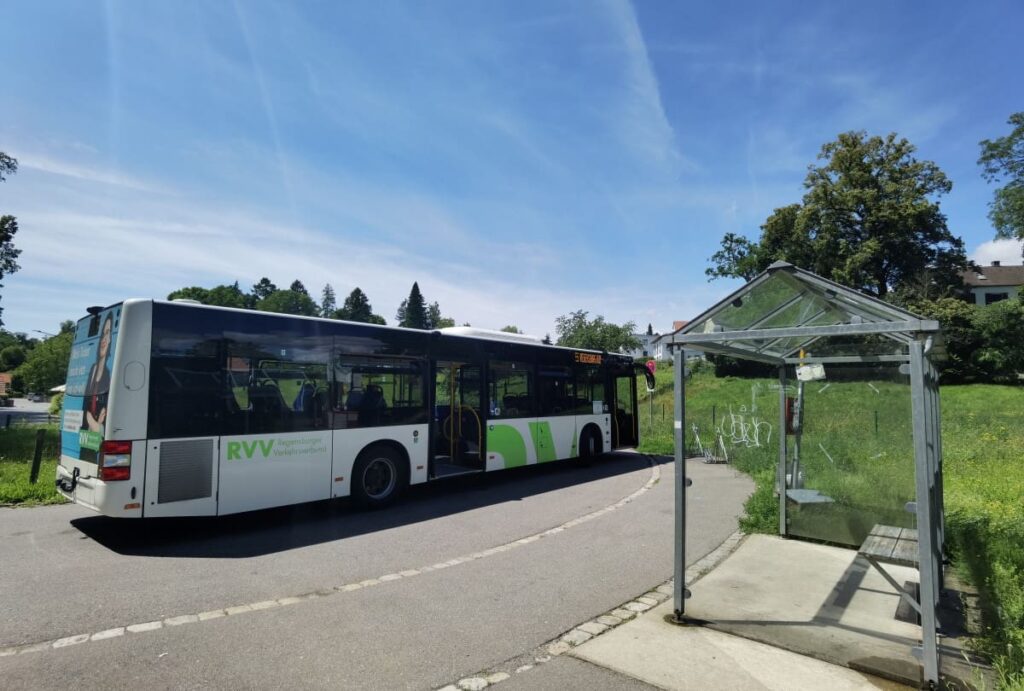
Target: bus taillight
(116, 460)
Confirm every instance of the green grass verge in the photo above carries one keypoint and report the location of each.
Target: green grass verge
(865, 463)
(17, 445)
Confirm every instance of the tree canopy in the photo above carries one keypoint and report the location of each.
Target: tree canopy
(222, 295)
(578, 331)
(8, 226)
(263, 288)
(1003, 159)
(868, 219)
(46, 365)
(289, 302)
(357, 308)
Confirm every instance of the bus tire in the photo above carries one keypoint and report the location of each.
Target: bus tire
(590, 445)
(379, 476)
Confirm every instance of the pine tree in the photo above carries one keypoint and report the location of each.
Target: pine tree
(328, 305)
(297, 287)
(357, 308)
(263, 289)
(413, 311)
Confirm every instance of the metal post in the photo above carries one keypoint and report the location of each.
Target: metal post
(679, 591)
(940, 497)
(925, 529)
(782, 450)
(37, 457)
(798, 430)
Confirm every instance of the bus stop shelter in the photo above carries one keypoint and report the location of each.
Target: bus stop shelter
(777, 319)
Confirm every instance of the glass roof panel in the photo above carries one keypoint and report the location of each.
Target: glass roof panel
(785, 297)
(746, 309)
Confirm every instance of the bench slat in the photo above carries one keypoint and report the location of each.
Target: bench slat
(905, 552)
(878, 546)
(886, 531)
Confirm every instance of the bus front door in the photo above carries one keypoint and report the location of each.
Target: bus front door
(457, 430)
(624, 420)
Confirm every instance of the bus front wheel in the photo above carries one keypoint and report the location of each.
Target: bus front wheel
(379, 477)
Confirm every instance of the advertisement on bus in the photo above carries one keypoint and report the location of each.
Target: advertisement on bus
(88, 384)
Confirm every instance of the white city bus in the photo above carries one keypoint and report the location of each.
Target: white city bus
(180, 409)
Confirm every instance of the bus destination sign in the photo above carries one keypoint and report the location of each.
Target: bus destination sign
(587, 358)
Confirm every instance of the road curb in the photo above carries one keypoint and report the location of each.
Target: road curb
(581, 633)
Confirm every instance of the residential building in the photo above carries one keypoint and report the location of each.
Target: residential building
(993, 283)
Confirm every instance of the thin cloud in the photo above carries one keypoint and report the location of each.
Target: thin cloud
(52, 166)
(646, 126)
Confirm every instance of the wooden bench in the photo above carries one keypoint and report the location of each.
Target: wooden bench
(886, 544)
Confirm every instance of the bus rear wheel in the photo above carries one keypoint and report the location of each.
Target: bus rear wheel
(379, 477)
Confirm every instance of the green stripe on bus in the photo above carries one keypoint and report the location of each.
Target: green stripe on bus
(507, 441)
(543, 442)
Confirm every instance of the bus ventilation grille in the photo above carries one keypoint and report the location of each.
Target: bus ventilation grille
(186, 470)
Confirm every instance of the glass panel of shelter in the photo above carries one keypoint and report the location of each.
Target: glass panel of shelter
(850, 456)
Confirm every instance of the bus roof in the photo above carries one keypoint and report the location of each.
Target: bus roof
(448, 332)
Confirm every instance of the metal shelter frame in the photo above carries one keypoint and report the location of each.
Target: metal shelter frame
(773, 319)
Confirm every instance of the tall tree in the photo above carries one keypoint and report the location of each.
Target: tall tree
(412, 313)
(1003, 159)
(263, 289)
(328, 303)
(511, 329)
(435, 320)
(869, 219)
(357, 308)
(8, 226)
(297, 287)
(578, 331)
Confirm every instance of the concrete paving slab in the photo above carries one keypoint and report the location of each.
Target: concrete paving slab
(662, 654)
(816, 600)
(564, 672)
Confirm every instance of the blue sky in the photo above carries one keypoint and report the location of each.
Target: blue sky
(520, 160)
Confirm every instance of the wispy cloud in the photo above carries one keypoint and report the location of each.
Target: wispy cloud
(646, 127)
(88, 174)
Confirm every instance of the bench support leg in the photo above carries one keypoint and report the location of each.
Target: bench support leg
(892, 581)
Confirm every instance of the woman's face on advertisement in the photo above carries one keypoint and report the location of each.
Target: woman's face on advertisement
(105, 340)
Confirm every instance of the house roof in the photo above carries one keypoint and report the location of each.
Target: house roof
(994, 276)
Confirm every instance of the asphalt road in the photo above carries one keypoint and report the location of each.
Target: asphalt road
(27, 412)
(65, 572)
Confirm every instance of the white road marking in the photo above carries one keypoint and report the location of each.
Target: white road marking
(348, 587)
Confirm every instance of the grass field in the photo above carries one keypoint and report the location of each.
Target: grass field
(858, 449)
(16, 447)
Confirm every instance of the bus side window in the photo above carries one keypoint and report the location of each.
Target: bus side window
(378, 391)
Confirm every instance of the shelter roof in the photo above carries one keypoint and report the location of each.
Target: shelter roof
(786, 310)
